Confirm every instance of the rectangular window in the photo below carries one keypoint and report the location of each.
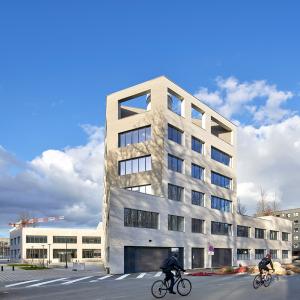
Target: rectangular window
(243, 254)
(36, 253)
(65, 239)
(36, 239)
(135, 165)
(197, 198)
(61, 253)
(242, 231)
(259, 233)
(220, 228)
(175, 103)
(197, 172)
(91, 253)
(197, 145)
(91, 240)
(273, 235)
(175, 223)
(140, 218)
(196, 115)
(175, 192)
(220, 204)
(134, 136)
(145, 189)
(197, 225)
(220, 156)
(273, 253)
(221, 180)
(174, 134)
(259, 253)
(285, 254)
(175, 163)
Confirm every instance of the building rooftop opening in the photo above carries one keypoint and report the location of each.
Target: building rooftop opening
(175, 103)
(221, 131)
(196, 115)
(135, 104)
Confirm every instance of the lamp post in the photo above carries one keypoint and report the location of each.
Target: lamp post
(49, 254)
(43, 254)
(66, 266)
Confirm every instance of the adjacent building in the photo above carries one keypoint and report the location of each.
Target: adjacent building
(55, 245)
(170, 186)
(4, 248)
(294, 216)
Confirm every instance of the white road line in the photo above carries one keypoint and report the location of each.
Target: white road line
(157, 274)
(45, 282)
(19, 283)
(107, 276)
(94, 280)
(122, 277)
(141, 275)
(76, 280)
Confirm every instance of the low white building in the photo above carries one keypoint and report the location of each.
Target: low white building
(54, 245)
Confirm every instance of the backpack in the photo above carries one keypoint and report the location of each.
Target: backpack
(165, 264)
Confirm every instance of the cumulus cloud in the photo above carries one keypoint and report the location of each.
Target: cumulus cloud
(263, 102)
(58, 182)
(268, 138)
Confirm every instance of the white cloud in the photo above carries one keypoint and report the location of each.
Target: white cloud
(261, 101)
(58, 182)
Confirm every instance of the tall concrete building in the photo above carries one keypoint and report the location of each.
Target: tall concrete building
(170, 185)
(294, 216)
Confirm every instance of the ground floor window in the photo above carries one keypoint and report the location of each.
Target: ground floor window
(36, 253)
(285, 254)
(273, 253)
(259, 253)
(91, 253)
(243, 254)
(61, 253)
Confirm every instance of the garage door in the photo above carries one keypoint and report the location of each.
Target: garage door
(197, 258)
(147, 259)
(222, 257)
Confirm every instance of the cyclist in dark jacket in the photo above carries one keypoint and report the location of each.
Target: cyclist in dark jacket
(170, 264)
(263, 264)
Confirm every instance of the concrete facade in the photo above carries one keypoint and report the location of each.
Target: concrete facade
(294, 216)
(31, 244)
(214, 132)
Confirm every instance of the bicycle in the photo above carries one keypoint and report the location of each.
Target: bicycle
(160, 287)
(263, 279)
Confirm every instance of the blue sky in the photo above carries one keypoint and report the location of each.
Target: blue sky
(59, 60)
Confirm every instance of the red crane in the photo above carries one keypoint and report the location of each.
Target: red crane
(26, 222)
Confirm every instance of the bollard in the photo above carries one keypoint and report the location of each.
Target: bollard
(13, 267)
(1, 268)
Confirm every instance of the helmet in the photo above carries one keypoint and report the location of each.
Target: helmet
(269, 255)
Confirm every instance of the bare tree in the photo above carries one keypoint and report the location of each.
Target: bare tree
(241, 209)
(265, 207)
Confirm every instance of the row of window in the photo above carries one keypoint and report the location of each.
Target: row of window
(147, 219)
(43, 239)
(135, 136)
(61, 253)
(135, 165)
(244, 254)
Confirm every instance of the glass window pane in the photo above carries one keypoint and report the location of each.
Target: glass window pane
(135, 165)
(128, 138)
(148, 133)
(148, 189)
(142, 164)
(143, 189)
(135, 136)
(122, 140)
(148, 163)
(128, 166)
(122, 167)
(142, 134)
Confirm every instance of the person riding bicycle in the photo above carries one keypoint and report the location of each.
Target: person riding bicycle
(263, 264)
(169, 264)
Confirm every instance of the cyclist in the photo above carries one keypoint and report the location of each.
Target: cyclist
(263, 264)
(170, 264)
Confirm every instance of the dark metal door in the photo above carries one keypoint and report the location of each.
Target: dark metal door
(222, 257)
(197, 258)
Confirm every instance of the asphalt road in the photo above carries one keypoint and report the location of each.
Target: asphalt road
(208, 288)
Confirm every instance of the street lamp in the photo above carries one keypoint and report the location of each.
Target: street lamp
(43, 253)
(49, 254)
(66, 266)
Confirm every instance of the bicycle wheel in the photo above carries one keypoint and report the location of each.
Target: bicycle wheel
(257, 282)
(184, 287)
(268, 279)
(158, 289)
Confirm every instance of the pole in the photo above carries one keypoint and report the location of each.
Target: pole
(43, 255)
(66, 266)
(49, 255)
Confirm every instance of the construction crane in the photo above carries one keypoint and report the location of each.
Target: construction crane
(27, 222)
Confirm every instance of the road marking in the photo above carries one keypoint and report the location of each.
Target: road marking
(141, 275)
(107, 276)
(94, 280)
(158, 274)
(19, 283)
(45, 282)
(76, 280)
(122, 277)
